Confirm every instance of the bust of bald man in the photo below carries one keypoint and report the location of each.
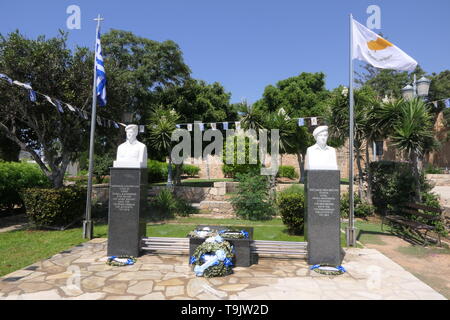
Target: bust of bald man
(131, 153)
(320, 156)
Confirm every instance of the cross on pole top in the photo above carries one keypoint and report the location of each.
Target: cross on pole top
(99, 18)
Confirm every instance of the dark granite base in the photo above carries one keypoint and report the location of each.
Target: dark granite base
(242, 250)
(322, 216)
(127, 204)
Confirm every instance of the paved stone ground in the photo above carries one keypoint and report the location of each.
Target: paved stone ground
(81, 273)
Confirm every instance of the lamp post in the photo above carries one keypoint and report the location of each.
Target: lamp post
(419, 88)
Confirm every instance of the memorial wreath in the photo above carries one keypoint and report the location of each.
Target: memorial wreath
(224, 233)
(328, 269)
(119, 261)
(213, 258)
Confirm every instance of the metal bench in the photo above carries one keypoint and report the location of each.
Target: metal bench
(407, 220)
(259, 247)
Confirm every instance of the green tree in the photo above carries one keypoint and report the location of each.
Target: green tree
(138, 68)
(300, 96)
(195, 100)
(162, 123)
(409, 126)
(38, 127)
(387, 82)
(440, 89)
(365, 132)
(9, 150)
(286, 131)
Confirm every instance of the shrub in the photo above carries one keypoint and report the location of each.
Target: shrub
(233, 170)
(190, 170)
(430, 169)
(287, 172)
(393, 185)
(167, 205)
(295, 188)
(291, 206)
(102, 163)
(432, 200)
(158, 171)
(252, 198)
(240, 155)
(17, 175)
(362, 208)
(54, 207)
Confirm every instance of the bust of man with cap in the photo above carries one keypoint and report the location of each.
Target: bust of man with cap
(131, 153)
(320, 156)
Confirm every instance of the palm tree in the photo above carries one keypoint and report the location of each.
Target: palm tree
(255, 119)
(409, 125)
(286, 132)
(364, 130)
(162, 124)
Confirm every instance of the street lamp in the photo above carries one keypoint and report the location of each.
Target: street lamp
(418, 89)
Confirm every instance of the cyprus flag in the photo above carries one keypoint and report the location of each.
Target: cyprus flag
(380, 53)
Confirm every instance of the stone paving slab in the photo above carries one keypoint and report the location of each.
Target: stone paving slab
(82, 274)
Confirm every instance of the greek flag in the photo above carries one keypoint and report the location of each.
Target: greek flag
(447, 103)
(101, 75)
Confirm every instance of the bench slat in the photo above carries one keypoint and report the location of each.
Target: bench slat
(412, 224)
(419, 214)
(423, 207)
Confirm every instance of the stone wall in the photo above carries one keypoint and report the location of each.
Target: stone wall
(198, 194)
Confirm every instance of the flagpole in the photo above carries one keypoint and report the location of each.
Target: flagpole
(350, 232)
(88, 227)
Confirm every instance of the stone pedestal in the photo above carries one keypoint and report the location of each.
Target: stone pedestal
(127, 204)
(242, 250)
(322, 216)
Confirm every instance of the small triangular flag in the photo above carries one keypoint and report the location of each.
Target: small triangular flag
(447, 103)
(4, 76)
(32, 95)
(59, 106)
(70, 107)
(24, 85)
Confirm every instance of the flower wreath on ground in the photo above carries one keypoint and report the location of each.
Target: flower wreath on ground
(328, 269)
(119, 261)
(224, 233)
(213, 258)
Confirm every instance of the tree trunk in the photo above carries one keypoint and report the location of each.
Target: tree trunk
(301, 165)
(169, 170)
(360, 173)
(178, 171)
(415, 168)
(272, 187)
(369, 176)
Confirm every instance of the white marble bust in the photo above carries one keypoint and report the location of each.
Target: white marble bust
(131, 153)
(320, 156)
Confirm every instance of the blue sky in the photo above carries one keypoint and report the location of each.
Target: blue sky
(248, 44)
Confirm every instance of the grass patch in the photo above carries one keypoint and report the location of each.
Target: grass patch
(21, 248)
(369, 232)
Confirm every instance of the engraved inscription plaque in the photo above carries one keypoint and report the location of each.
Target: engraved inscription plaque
(322, 216)
(127, 204)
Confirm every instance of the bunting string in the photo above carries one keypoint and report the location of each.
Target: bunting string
(225, 125)
(58, 104)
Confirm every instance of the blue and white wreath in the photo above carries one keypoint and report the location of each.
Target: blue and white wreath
(213, 258)
(328, 269)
